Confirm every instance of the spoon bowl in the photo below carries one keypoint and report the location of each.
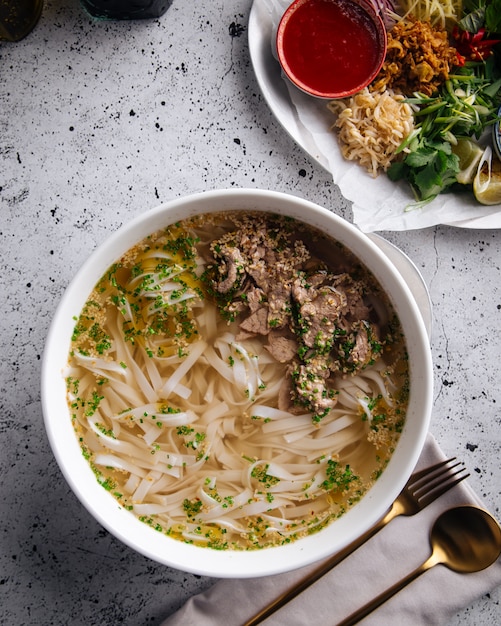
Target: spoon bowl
(466, 539)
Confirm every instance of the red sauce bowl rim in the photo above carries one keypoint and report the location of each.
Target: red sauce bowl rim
(382, 42)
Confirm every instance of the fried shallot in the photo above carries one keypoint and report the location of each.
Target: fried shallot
(419, 58)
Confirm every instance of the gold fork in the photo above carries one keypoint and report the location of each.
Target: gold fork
(422, 488)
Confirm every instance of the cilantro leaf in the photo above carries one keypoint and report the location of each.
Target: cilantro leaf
(430, 169)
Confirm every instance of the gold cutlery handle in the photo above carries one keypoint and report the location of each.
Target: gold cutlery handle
(320, 571)
(388, 593)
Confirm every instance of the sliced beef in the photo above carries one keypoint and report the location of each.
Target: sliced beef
(361, 352)
(279, 300)
(366, 345)
(257, 322)
(232, 268)
(355, 307)
(312, 388)
(282, 348)
(320, 317)
(254, 298)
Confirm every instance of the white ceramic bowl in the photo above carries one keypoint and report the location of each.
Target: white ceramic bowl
(171, 552)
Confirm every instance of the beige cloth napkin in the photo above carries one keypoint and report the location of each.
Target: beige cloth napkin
(397, 549)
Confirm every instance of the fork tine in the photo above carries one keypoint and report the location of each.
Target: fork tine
(429, 470)
(439, 490)
(433, 477)
(437, 479)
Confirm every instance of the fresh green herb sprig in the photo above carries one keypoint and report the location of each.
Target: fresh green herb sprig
(464, 107)
(481, 13)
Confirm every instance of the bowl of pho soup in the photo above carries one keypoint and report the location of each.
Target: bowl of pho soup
(237, 383)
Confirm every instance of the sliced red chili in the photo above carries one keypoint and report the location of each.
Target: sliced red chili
(473, 46)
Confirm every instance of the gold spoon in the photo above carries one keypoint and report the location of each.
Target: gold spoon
(464, 539)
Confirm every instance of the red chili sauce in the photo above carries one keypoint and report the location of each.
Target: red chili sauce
(330, 46)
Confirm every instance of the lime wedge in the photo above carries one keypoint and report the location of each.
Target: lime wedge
(469, 154)
(487, 182)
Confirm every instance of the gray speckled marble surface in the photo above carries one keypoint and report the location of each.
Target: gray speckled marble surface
(100, 121)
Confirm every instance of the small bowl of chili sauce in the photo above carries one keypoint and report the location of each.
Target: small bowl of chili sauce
(331, 48)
